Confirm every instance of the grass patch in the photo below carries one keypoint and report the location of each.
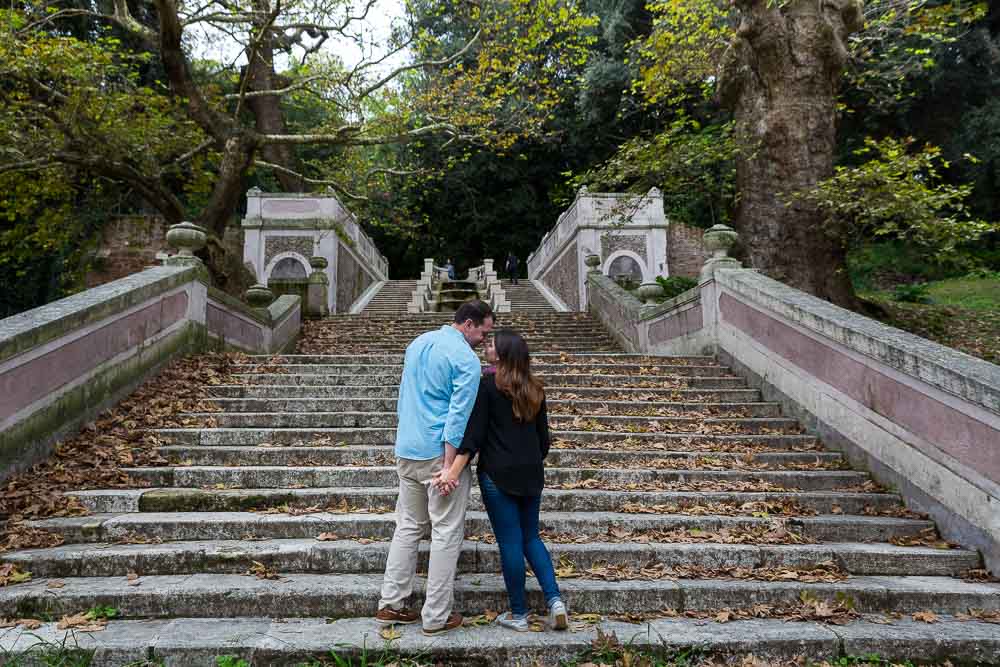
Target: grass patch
(962, 313)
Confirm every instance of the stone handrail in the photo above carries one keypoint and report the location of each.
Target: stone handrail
(63, 363)
(920, 416)
(328, 210)
(605, 226)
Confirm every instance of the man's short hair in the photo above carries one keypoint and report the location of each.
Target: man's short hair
(474, 310)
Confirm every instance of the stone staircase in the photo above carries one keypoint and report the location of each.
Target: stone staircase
(524, 297)
(391, 299)
(680, 509)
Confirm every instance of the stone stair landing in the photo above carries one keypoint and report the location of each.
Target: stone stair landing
(675, 496)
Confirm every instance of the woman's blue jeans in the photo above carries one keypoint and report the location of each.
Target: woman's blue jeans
(515, 524)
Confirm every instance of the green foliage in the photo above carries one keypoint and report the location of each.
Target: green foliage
(692, 164)
(101, 613)
(63, 653)
(230, 661)
(898, 194)
(912, 293)
(675, 285)
(353, 656)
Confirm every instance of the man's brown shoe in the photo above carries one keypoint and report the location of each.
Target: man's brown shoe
(390, 616)
(454, 621)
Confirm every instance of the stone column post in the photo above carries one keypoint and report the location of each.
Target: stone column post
(317, 297)
(718, 240)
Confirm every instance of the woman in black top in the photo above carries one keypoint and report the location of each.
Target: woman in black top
(509, 430)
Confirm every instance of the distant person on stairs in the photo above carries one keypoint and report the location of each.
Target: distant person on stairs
(511, 266)
(440, 380)
(509, 430)
(450, 267)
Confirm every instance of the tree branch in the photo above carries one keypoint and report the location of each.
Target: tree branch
(312, 181)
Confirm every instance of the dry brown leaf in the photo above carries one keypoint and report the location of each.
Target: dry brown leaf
(925, 617)
(389, 633)
(82, 623)
(55, 583)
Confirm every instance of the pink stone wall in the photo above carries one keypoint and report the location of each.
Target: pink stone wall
(678, 323)
(222, 323)
(971, 442)
(23, 385)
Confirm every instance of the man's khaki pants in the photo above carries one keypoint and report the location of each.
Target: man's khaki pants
(420, 509)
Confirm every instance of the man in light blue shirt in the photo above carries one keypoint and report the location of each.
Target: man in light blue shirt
(441, 375)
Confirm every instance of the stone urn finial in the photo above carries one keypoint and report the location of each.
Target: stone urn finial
(650, 292)
(718, 240)
(186, 238)
(593, 262)
(258, 296)
(254, 192)
(318, 263)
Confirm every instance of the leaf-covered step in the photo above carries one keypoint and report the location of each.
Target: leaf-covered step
(354, 595)
(750, 503)
(342, 556)
(593, 526)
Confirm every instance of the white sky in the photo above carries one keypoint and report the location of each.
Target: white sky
(375, 29)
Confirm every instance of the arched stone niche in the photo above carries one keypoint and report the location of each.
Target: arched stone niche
(288, 266)
(628, 262)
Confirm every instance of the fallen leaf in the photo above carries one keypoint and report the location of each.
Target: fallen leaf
(132, 579)
(81, 622)
(390, 633)
(56, 583)
(925, 616)
(327, 537)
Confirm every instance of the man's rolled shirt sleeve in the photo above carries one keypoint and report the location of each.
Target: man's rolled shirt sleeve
(465, 386)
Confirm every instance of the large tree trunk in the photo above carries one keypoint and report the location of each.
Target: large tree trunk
(269, 118)
(780, 77)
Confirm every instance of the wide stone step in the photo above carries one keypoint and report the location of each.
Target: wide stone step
(561, 458)
(556, 406)
(174, 526)
(638, 396)
(598, 380)
(270, 477)
(542, 367)
(356, 595)
(352, 557)
(396, 359)
(298, 641)
(557, 422)
(553, 500)
(381, 436)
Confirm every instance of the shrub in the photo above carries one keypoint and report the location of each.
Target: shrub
(913, 293)
(675, 285)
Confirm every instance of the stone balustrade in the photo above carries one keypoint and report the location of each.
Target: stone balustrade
(282, 232)
(626, 232)
(63, 363)
(922, 417)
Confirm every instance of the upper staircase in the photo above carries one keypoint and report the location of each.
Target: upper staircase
(390, 299)
(680, 508)
(524, 297)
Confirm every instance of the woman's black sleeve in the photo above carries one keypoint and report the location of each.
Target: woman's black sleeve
(475, 430)
(542, 427)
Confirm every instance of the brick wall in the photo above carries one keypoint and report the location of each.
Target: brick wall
(685, 253)
(128, 245)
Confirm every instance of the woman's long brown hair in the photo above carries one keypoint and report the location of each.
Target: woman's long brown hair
(514, 378)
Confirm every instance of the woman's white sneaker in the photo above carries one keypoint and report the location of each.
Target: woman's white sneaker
(508, 620)
(558, 616)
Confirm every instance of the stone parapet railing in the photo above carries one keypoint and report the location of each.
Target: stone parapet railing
(233, 325)
(675, 325)
(63, 363)
(626, 232)
(284, 232)
(922, 417)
